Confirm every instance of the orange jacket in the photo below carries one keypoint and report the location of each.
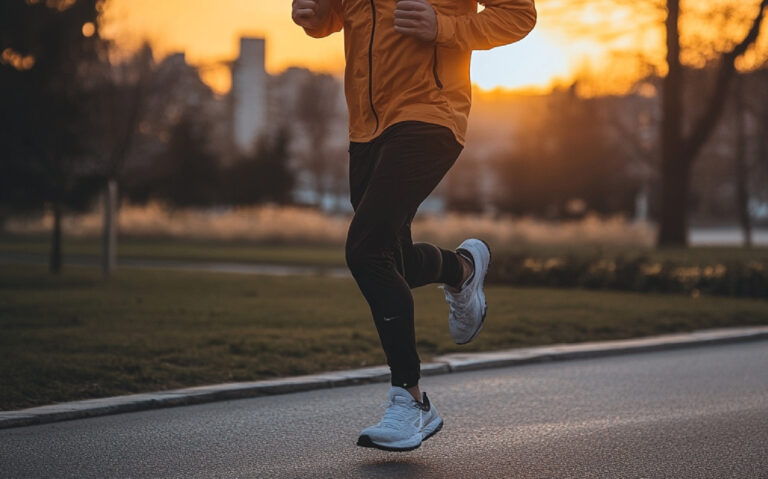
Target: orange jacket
(391, 77)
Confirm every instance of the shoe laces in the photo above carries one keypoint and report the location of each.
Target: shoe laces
(398, 412)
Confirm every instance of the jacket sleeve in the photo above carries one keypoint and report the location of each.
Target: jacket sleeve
(332, 23)
(500, 23)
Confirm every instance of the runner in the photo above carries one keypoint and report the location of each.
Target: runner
(409, 94)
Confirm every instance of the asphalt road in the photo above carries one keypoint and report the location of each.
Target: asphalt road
(700, 412)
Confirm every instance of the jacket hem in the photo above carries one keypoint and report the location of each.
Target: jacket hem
(433, 119)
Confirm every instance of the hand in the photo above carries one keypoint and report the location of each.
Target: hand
(416, 18)
(310, 13)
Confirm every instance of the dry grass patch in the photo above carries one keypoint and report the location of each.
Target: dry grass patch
(273, 224)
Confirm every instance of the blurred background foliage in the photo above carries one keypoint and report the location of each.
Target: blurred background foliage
(684, 145)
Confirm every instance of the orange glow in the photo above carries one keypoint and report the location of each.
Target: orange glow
(607, 48)
(209, 31)
(89, 29)
(17, 60)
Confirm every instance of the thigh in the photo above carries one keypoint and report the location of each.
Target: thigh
(405, 165)
(413, 157)
(411, 160)
(362, 160)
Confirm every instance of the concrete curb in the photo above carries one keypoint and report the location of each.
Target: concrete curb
(441, 365)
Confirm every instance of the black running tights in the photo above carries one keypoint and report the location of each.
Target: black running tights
(389, 178)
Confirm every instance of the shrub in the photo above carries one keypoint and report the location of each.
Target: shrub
(641, 273)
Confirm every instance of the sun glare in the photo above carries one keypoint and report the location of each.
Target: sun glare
(532, 62)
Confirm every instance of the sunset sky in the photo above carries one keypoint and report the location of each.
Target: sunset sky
(208, 32)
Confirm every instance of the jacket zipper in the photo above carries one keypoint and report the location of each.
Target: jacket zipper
(370, 66)
(434, 72)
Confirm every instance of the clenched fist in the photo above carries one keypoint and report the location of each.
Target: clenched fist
(310, 13)
(416, 18)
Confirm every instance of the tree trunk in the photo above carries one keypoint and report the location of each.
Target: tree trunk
(673, 228)
(54, 264)
(742, 188)
(109, 232)
(762, 136)
(675, 188)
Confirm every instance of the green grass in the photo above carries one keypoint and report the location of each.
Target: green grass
(333, 255)
(77, 336)
(188, 250)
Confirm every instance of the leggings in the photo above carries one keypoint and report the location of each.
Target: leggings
(389, 178)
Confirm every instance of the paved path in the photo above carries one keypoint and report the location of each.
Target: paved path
(699, 412)
(726, 237)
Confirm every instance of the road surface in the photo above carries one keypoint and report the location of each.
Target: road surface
(699, 413)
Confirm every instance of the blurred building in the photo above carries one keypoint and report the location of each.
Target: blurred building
(249, 94)
(296, 101)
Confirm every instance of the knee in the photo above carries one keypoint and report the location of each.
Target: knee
(353, 255)
(359, 254)
(364, 253)
(354, 249)
(371, 244)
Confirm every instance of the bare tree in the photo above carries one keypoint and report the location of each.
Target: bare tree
(762, 129)
(125, 95)
(120, 94)
(740, 163)
(680, 149)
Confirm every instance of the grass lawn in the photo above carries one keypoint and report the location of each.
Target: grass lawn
(333, 255)
(189, 250)
(77, 336)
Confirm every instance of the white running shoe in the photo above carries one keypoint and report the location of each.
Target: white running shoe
(468, 306)
(406, 423)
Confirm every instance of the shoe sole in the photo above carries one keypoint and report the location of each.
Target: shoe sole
(437, 429)
(485, 305)
(365, 441)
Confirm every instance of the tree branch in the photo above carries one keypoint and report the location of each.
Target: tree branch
(709, 119)
(645, 154)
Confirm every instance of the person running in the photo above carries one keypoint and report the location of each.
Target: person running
(408, 92)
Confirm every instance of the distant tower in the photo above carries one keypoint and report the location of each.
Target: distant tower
(249, 94)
